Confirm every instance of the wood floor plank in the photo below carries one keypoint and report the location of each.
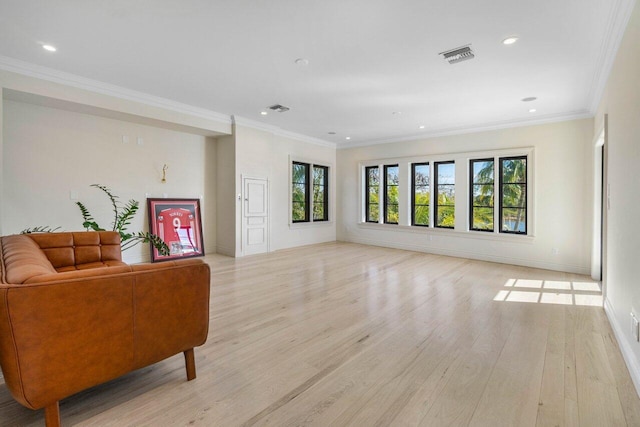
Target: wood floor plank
(598, 401)
(456, 402)
(551, 406)
(571, 413)
(512, 393)
(342, 334)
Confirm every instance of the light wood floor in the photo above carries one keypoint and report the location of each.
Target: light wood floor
(349, 335)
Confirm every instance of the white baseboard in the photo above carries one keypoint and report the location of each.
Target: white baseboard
(223, 250)
(525, 262)
(623, 343)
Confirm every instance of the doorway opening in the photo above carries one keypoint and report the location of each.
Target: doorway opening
(598, 248)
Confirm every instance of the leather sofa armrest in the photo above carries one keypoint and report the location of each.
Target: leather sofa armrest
(172, 308)
(68, 335)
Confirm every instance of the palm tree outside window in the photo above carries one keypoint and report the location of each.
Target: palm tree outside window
(513, 195)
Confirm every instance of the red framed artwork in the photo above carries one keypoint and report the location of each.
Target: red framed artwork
(178, 223)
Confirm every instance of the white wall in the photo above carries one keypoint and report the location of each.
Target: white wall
(226, 195)
(621, 102)
(1, 161)
(48, 153)
(562, 202)
(267, 155)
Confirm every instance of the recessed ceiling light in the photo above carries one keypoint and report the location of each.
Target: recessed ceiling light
(348, 137)
(510, 40)
(397, 113)
(264, 113)
(533, 110)
(422, 127)
(529, 99)
(49, 47)
(302, 61)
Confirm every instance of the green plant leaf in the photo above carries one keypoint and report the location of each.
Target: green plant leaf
(114, 203)
(92, 225)
(146, 237)
(127, 214)
(39, 229)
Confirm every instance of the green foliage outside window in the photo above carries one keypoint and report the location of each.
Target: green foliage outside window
(446, 209)
(392, 205)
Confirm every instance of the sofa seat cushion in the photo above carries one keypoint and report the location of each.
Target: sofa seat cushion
(23, 259)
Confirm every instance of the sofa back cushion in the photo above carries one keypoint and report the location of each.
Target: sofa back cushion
(80, 250)
(23, 259)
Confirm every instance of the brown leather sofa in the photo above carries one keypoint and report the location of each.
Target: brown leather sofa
(73, 315)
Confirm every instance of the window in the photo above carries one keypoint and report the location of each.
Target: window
(481, 200)
(391, 194)
(513, 195)
(300, 192)
(445, 178)
(414, 193)
(420, 174)
(372, 193)
(320, 193)
(309, 192)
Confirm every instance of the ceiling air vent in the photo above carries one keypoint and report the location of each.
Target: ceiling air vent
(458, 54)
(279, 108)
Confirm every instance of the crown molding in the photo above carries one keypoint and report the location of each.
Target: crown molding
(617, 24)
(238, 120)
(577, 115)
(44, 73)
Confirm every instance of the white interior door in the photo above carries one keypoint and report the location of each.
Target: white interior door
(255, 216)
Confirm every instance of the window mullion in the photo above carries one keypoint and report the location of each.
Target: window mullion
(311, 186)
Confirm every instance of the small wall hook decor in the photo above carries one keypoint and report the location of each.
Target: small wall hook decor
(164, 173)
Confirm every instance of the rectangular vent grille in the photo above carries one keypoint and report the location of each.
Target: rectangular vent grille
(458, 54)
(279, 108)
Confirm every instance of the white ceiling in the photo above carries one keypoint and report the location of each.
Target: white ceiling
(367, 58)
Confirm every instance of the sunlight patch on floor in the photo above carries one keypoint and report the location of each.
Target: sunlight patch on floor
(551, 292)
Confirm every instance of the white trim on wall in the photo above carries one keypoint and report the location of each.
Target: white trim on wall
(621, 13)
(73, 80)
(473, 128)
(432, 247)
(238, 120)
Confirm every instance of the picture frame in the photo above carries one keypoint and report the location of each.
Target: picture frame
(178, 223)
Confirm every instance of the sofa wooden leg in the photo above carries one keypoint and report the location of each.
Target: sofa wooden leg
(190, 362)
(52, 415)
